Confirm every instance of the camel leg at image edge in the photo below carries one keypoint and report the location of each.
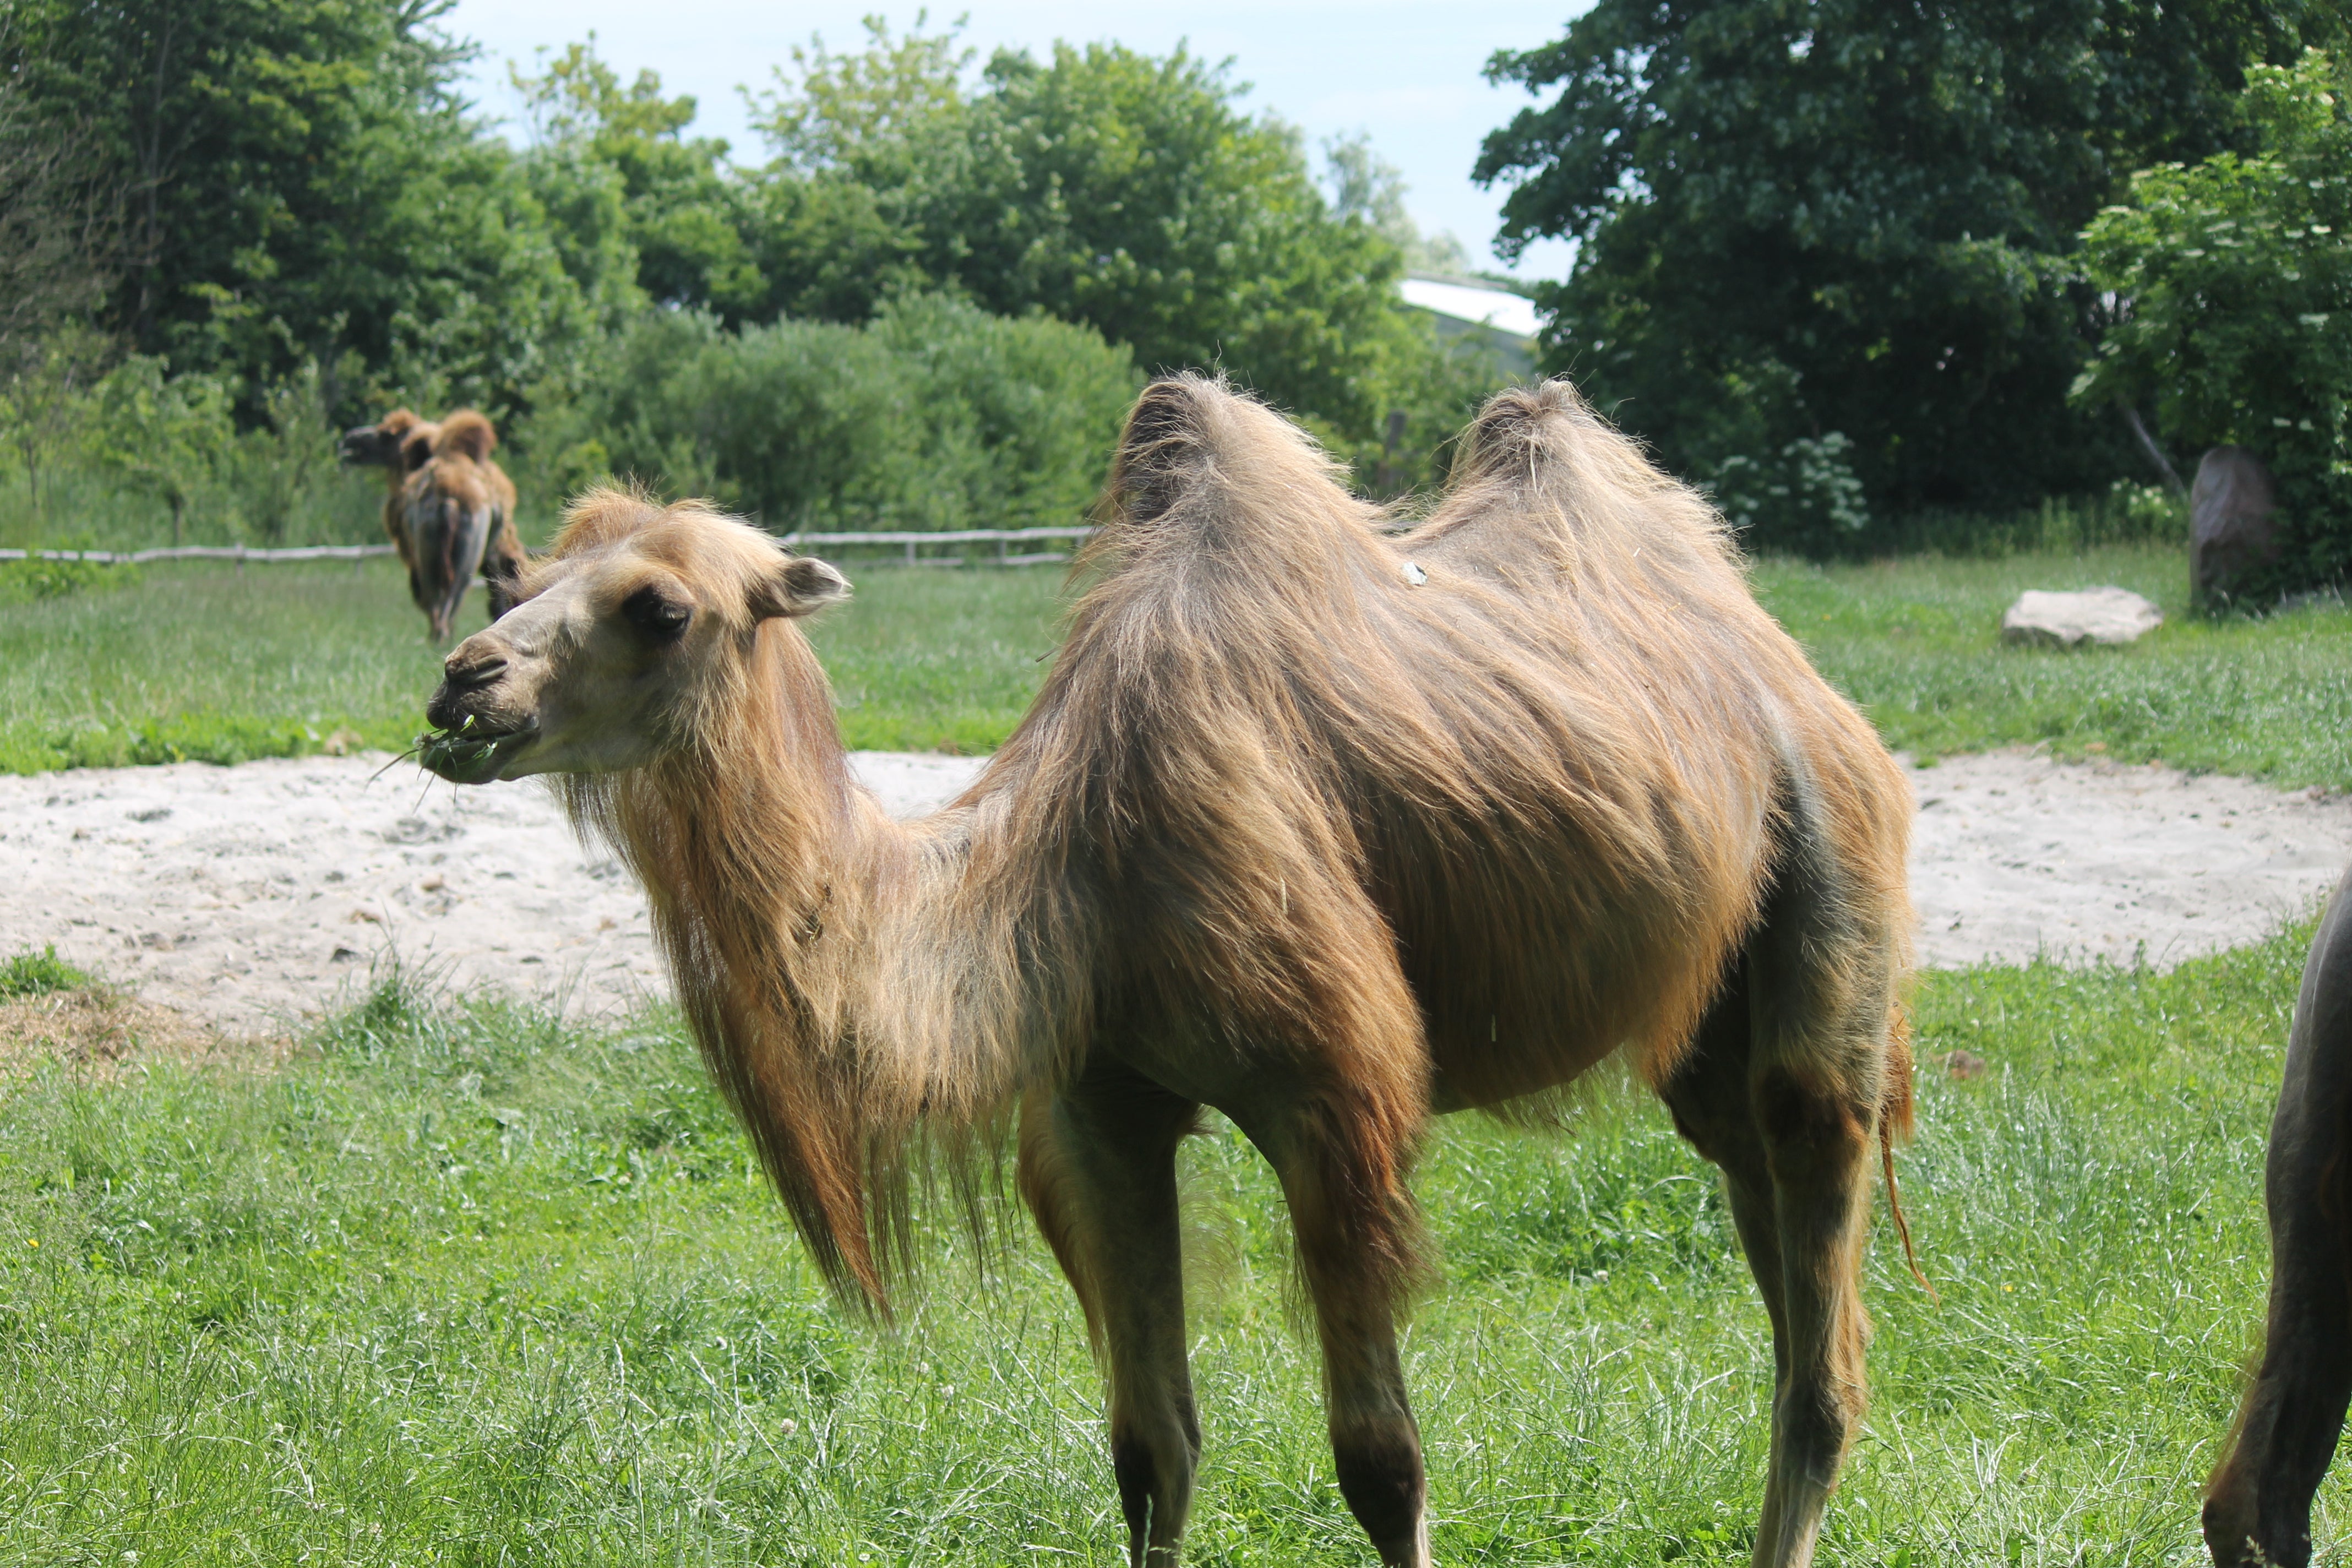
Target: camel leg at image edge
(1714, 1107)
(1098, 1170)
(1341, 1232)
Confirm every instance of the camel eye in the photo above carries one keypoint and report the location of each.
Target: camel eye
(657, 618)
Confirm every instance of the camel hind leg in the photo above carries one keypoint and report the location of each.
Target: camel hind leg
(1819, 976)
(1098, 1171)
(1713, 1102)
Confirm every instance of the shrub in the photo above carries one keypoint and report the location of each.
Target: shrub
(1805, 500)
(933, 416)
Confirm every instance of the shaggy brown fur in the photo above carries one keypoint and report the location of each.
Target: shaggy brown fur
(1330, 830)
(457, 509)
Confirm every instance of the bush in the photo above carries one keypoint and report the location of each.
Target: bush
(933, 416)
(2233, 280)
(1806, 500)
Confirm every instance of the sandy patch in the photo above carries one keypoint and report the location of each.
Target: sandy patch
(251, 896)
(2014, 855)
(256, 894)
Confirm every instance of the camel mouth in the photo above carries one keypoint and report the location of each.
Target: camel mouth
(469, 754)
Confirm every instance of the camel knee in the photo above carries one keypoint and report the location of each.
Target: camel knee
(1815, 1135)
(2227, 1520)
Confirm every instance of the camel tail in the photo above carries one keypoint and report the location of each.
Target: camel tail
(1894, 1205)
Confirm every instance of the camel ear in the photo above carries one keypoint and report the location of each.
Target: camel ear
(798, 586)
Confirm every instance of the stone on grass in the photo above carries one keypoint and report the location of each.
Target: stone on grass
(2066, 620)
(2232, 536)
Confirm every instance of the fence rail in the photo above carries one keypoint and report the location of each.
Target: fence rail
(237, 552)
(911, 541)
(906, 540)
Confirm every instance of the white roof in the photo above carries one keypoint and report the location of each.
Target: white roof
(1512, 313)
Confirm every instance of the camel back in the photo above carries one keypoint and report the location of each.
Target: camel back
(1482, 803)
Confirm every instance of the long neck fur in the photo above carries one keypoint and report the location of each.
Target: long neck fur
(857, 984)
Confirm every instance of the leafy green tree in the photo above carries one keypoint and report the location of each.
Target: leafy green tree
(1798, 219)
(2234, 277)
(1100, 186)
(685, 216)
(303, 188)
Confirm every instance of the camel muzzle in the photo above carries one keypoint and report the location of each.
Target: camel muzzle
(472, 736)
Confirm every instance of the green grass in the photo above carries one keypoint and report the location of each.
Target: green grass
(200, 662)
(1915, 642)
(458, 1285)
(193, 661)
(30, 974)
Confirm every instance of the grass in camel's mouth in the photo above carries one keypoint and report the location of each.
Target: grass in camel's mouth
(466, 754)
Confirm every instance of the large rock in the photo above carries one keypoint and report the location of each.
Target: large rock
(2093, 615)
(2232, 536)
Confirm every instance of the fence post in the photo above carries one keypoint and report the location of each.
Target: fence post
(240, 559)
(910, 553)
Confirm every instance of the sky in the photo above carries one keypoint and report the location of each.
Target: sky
(1406, 72)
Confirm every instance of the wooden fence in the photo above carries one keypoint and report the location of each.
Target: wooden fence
(910, 542)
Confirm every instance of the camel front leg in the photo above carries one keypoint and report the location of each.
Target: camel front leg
(1356, 1241)
(1098, 1170)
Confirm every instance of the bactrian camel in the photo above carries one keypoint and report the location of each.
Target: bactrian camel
(1331, 830)
(449, 511)
(2258, 1503)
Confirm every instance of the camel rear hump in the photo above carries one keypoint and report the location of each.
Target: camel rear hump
(465, 434)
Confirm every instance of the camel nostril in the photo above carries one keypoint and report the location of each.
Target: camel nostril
(474, 676)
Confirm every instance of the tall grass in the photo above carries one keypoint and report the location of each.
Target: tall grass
(458, 1284)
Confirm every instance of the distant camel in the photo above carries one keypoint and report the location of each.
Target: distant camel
(1330, 830)
(450, 510)
(386, 445)
(2258, 1504)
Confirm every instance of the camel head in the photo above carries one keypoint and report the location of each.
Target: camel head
(640, 623)
(380, 445)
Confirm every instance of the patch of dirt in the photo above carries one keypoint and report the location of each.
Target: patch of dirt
(105, 1032)
(243, 900)
(2014, 856)
(256, 896)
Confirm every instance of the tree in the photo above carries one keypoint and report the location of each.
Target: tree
(1366, 186)
(58, 222)
(165, 434)
(1800, 219)
(1100, 186)
(303, 187)
(684, 214)
(2232, 278)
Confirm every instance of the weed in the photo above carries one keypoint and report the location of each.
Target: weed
(30, 974)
